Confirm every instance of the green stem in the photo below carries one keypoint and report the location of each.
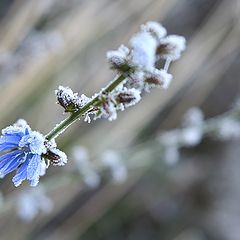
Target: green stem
(61, 127)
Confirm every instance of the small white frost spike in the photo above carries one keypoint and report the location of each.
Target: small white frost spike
(156, 29)
(82, 100)
(112, 160)
(172, 45)
(143, 50)
(82, 161)
(32, 202)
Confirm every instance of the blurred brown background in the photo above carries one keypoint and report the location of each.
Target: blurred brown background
(46, 43)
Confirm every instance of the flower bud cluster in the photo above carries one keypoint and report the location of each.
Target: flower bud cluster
(138, 65)
(146, 47)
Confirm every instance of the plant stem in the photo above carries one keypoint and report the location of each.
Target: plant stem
(61, 127)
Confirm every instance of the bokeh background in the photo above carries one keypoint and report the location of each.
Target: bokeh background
(46, 43)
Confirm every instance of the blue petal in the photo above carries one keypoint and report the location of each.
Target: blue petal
(33, 169)
(7, 147)
(10, 164)
(8, 156)
(21, 174)
(14, 139)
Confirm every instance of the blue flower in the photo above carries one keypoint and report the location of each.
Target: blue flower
(21, 149)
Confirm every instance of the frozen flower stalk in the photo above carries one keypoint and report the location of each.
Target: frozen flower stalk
(23, 150)
(136, 69)
(27, 151)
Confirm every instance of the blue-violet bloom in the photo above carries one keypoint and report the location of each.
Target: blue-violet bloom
(21, 149)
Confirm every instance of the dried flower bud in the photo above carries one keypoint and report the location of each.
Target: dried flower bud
(156, 29)
(107, 108)
(136, 80)
(128, 97)
(54, 155)
(171, 47)
(118, 59)
(157, 78)
(66, 98)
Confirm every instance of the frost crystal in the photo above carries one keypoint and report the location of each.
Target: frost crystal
(171, 47)
(69, 100)
(108, 110)
(143, 50)
(82, 100)
(156, 29)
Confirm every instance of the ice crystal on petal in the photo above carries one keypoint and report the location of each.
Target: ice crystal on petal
(35, 142)
(136, 80)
